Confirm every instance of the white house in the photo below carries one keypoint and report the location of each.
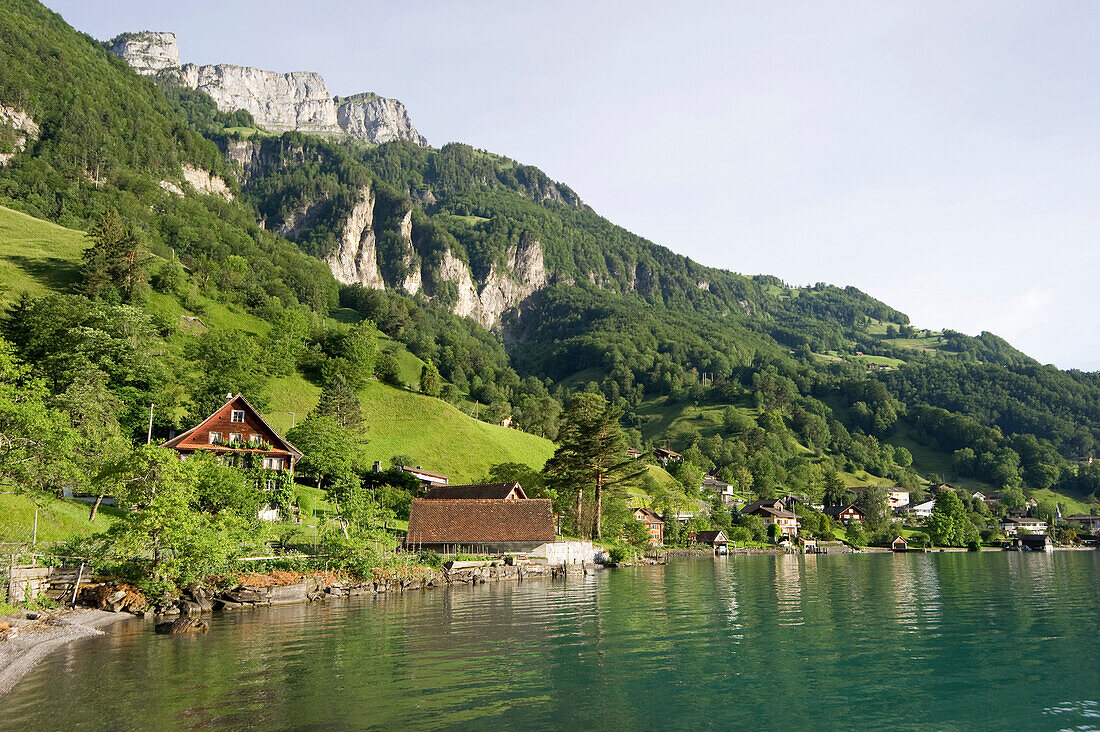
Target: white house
(920, 510)
(1011, 526)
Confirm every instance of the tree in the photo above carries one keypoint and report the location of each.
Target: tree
(430, 382)
(836, 493)
(532, 481)
(341, 403)
(114, 260)
(949, 524)
(855, 535)
(330, 453)
(187, 520)
(592, 455)
(103, 450)
(876, 508)
(230, 362)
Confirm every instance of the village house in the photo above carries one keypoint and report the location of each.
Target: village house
(654, 524)
(665, 456)
(1090, 524)
(723, 489)
(427, 479)
(236, 434)
(845, 514)
(480, 526)
(236, 430)
(633, 453)
(920, 510)
(1014, 526)
(498, 491)
(899, 544)
(896, 498)
(772, 511)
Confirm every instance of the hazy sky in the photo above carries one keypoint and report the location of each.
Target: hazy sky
(942, 156)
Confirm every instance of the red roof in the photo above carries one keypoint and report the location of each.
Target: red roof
(473, 492)
(184, 442)
(480, 521)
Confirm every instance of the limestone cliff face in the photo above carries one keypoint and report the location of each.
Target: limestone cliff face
(376, 119)
(147, 52)
(295, 101)
(299, 100)
(24, 128)
(504, 288)
(356, 257)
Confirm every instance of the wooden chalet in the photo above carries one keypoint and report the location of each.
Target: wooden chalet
(495, 491)
(845, 514)
(653, 523)
(665, 456)
(480, 526)
(236, 430)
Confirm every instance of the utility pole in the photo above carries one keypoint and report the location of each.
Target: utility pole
(476, 405)
(149, 434)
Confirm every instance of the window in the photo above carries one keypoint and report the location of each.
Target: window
(236, 415)
(253, 438)
(215, 437)
(273, 463)
(235, 437)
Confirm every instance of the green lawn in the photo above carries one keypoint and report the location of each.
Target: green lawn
(58, 519)
(435, 434)
(37, 256)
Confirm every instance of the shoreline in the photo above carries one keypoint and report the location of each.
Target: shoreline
(37, 638)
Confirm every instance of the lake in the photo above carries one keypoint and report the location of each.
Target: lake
(942, 641)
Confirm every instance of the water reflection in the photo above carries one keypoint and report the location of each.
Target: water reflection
(788, 589)
(919, 641)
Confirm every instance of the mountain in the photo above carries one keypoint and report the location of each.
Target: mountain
(299, 100)
(291, 239)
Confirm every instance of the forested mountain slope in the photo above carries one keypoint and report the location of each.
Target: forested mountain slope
(502, 279)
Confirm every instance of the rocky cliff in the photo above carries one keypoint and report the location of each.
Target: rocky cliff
(147, 52)
(371, 117)
(299, 100)
(355, 261)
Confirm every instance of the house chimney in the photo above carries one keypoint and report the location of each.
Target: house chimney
(229, 396)
(378, 466)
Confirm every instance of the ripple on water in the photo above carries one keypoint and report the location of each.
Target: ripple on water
(931, 641)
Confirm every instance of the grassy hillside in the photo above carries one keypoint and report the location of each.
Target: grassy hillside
(435, 434)
(36, 256)
(58, 519)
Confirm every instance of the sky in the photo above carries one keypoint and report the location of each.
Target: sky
(941, 156)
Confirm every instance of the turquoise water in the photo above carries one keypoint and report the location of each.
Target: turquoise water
(916, 641)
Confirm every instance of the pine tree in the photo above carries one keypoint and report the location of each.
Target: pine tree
(340, 402)
(430, 382)
(592, 455)
(114, 259)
